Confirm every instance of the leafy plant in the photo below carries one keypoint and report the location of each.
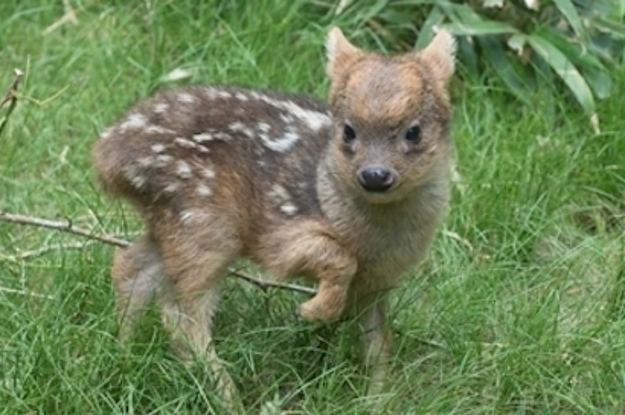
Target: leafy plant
(524, 42)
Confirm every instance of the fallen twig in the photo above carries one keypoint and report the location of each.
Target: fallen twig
(11, 97)
(64, 226)
(264, 284)
(44, 250)
(68, 226)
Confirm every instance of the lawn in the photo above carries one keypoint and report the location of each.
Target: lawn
(519, 308)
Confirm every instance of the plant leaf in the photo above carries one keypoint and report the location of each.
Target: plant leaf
(565, 70)
(492, 4)
(426, 34)
(572, 50)
(475, 28)
(610, 26)
(569, 11)
(599, 81)
(502, 64)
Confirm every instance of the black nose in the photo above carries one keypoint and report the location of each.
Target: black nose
(376, 179)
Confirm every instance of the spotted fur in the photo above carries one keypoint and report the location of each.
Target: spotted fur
(222, 172)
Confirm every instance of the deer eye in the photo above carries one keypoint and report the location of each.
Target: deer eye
(414, 134)
(349, 134)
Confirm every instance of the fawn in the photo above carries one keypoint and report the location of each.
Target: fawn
(349, 194)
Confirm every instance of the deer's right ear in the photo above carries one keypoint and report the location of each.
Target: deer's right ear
(441, 55)
(340, 53)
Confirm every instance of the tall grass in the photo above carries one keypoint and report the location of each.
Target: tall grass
(518, 309)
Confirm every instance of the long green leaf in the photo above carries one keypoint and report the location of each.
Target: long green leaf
(501, 63)
(484, 27)
(591, 68)
(568, 10)
(565, 70)
(599, 81)
(577, 55)
(426, 33)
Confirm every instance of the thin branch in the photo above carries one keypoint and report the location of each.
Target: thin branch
(11, 97)
(64, 226)
(68, 226)
(264, 284)
(44, 250)
(10, 94)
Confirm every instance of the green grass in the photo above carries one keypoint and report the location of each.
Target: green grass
(520, 308)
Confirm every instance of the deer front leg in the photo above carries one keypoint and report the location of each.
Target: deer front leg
(308, 248)
(377, 340)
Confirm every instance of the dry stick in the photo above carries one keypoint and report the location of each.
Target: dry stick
(64, 226)
(44, 250)
(11, 97)
(68, 226)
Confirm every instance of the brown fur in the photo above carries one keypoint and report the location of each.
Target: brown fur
(219, 173)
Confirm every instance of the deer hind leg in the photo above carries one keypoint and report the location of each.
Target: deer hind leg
(188, 307)
(306, 248)
(138, 275)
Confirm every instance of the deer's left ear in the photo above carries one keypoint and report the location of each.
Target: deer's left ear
(440, 54)
(340, 53)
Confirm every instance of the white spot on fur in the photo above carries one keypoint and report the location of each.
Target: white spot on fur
(279, 194)
(214, 93)
(203, 137)
(211, 92)
(186, 98)
(241, 96)
(288, 119)
(238, 126)
(134, 121)
(289, 209)
(203, 149)
(134, 176)
(315, 120)
(163, 160)
(185, 143)
(190, 217)
(207, 173)
(157, 129)
(145, 161)
(263, 127)
(204, 190)
(183, 170)
(172, 187)
(283, 143)
(224, 94)
(106, 133)
(222, 136)
(158, 148)
(161, 107)
(187, 217)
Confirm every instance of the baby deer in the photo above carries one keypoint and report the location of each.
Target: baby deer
(349, 194)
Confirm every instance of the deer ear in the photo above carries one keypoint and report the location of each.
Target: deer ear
(440, 54)
(340, 52)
